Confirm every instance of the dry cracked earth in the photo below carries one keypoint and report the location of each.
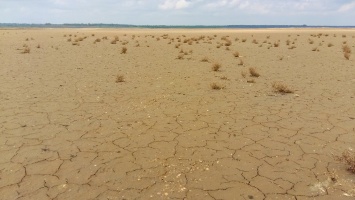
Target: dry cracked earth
(69, 131)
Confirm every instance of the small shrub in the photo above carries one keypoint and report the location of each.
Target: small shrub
(215, 86)
(241, 62)
(216, 67)
(346, 49)
(276, 44)
(330, 45)
(204, 59)
(236, 54)
(180, 56)
(253, 72)
(250, 81)
(26, 50)
(98, 40)
(281, 88)
(120, 78)
(244, 40)
(348, 158)
(124, 50)
(347, 55)
(38, 46)
(243, 73)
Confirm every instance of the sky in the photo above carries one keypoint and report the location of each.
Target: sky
(181, 12)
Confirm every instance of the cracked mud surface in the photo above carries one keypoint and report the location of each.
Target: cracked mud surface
(69, 131)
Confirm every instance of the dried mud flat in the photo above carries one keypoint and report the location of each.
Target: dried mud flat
(86, 120)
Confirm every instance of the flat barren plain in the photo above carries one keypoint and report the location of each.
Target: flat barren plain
(177, 114)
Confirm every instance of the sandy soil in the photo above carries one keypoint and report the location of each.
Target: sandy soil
(68, 130)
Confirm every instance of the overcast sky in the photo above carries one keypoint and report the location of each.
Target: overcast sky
(180, 12)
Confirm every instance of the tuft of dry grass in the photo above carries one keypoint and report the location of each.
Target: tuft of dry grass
(346, 49)
(120, 78)
(281, 88)
(250, 81)
(180, 56)
(241, 62)
(236, 54)
(26, 50)
(276, 44)
(97, 40)
(253, 72)
(124, 50)
(244, 40)
(224, 78)
(38, 46)
(346, 55)
(330, 44)
(348, 158)
(216, 86)
(205, 59)
(216, 67)
(243, 73)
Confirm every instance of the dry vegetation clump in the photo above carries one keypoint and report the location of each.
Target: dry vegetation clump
(26, 50)
(253, 72)
(310, 41)
(180, 56)
(244, 40)
(292, 47)
(347, 51)
(281, 88)
(38, 46)
(228, 43)
(346, 55)
(124, 50)
(288, 42)
(69, 40)
(224, 78)
(97, 40)
(236, 54)
(330, 44)
(241, 62)
(205, 59)
(250, 81)
(348, 158)
(254, 41)
(276, 44)
(216, 86)
(315, 49)
(216, 67)
(120, 78)
(243, 73)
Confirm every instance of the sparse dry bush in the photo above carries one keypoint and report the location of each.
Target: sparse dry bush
(124, 50)
(216, 86)
(120, 78)
(216, 67)
(347, 157)
(26, 50)
(281, 88)
(243, 73)
(236, 54)
(241, 62)
(205, 59)
(253, 72)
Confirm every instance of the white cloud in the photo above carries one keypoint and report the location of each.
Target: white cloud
(347, 7)
(174, 4)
